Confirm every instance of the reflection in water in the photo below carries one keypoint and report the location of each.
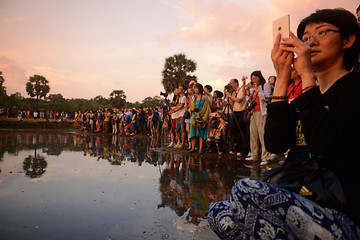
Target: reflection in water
(187, 184)
(34, 166)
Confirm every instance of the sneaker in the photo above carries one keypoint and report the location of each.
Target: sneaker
(178, 146)
(264, 162)
(249, 158)
(171, 145)
(275, 157)
(239, 154)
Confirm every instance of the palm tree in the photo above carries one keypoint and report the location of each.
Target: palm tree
(37, 86)
(118, 98)
(176, 72)
(34, 166)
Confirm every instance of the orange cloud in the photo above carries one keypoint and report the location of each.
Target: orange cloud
(14, 75)
(244, 25)
(240, 25)
(242, 30)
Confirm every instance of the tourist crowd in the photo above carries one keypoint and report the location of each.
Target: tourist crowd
(198, 118)
(60, 116)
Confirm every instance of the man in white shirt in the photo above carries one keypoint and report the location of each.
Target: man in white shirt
(35, 115)
(239, 129)
(179, 109)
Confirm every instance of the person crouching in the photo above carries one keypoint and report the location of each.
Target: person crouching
(216, 132)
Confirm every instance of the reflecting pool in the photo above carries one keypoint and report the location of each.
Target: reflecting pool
(63, 185)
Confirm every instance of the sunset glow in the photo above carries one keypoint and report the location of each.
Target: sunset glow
(89, 48)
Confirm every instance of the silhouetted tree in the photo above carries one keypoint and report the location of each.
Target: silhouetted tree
(177, 71)
(34, 166)
(37, 86)
(118, 98)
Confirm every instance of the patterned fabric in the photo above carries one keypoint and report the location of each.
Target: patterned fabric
(259, 210)
(204, 109)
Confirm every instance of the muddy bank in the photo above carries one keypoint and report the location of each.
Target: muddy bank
(13, 123)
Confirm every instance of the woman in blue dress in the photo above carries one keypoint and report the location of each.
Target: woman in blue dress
(200, 107)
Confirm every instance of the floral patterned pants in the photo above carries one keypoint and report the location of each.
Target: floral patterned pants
(259, 210)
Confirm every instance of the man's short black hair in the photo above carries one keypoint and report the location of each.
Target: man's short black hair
(235, 81)
(209, 88)
(183, 87)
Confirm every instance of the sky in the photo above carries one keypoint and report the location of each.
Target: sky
(87, 48)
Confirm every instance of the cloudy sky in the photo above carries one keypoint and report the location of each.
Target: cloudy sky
(87, 48)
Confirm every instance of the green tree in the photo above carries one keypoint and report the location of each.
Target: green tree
(152, 102)
(2, 87)
(37, 86)
(101, 101)
(55, 98)
(118, 98)
(3, 95)
(177, 70)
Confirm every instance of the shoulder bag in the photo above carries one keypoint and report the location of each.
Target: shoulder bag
(308, 178)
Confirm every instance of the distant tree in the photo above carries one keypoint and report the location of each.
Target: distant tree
(17, 95)
(3, 96)
(37, 86)
(152, 102)
(2, 87)
(55, 98)
(101, 101)
(118, 98)
(177, 71)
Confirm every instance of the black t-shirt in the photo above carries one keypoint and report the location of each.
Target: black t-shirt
(329, 128)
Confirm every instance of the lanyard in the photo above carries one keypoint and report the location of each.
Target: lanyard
(292, 93)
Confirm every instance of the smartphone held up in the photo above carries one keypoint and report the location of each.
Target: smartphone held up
(282, 26)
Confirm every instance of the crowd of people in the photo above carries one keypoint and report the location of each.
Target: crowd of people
(47, 115)
(198, 118)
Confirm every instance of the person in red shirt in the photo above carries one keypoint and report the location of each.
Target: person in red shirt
(294, 89)
(258, 119)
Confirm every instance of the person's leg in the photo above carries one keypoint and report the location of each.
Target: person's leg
(188, 134)
(177, 132)
(244, 134)
(201, 140)
(172, 133)
(183, 130)
(232, 133)
(193, 143)
(260, 210)
(265, 155)
(237, 132)
(254, 136)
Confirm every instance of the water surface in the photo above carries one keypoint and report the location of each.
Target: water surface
(61, 185)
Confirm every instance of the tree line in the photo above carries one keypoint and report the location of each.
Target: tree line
(38, 88)
(178, 69)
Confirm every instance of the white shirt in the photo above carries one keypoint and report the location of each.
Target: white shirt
(182, 110)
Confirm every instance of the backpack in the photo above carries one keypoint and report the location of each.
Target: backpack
(155, 117)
